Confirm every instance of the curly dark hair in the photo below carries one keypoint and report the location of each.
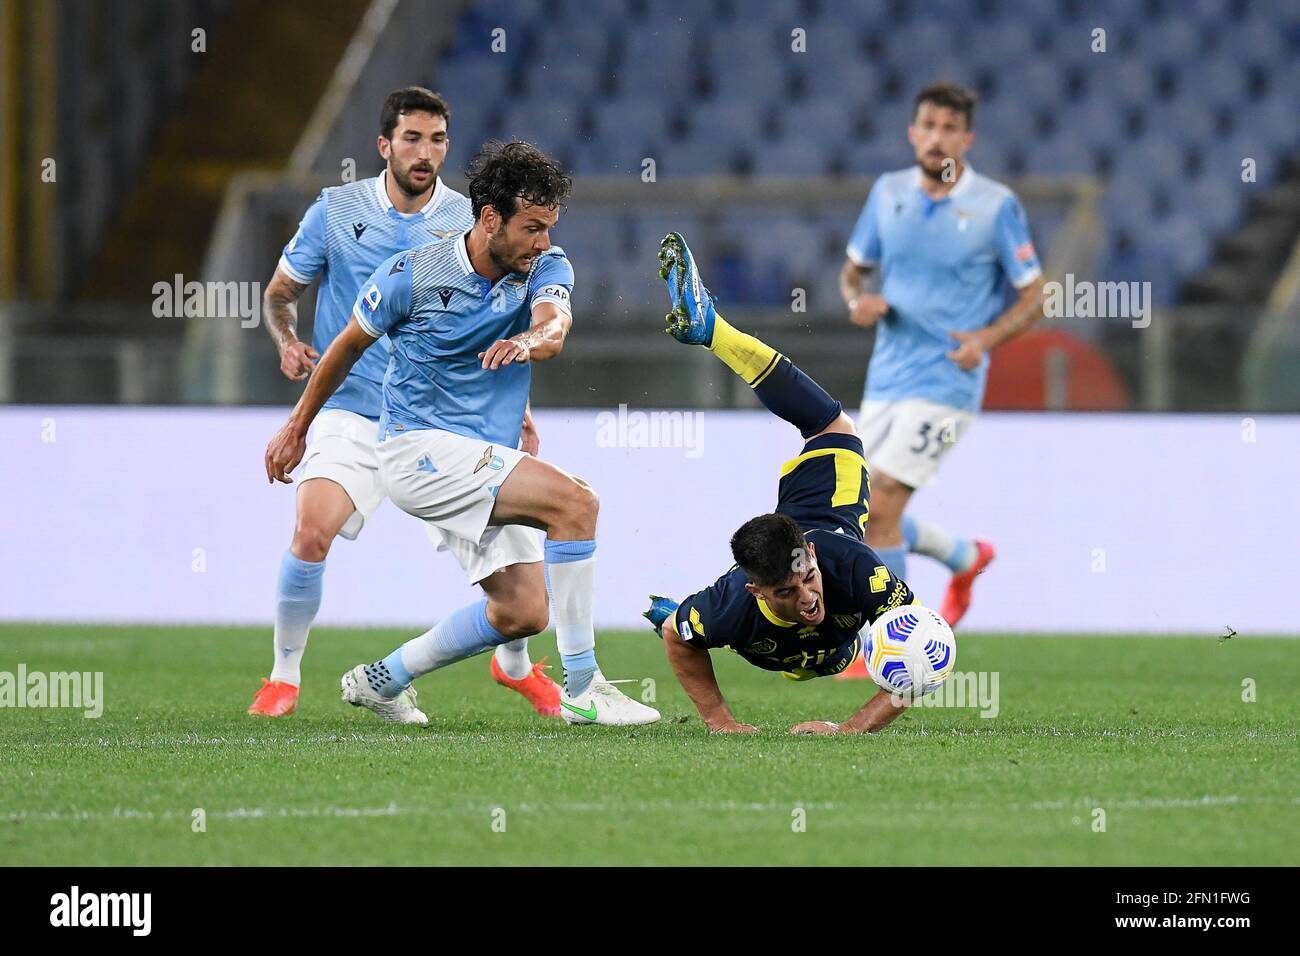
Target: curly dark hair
(504, 173)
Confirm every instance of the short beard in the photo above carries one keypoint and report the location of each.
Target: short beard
(407, 186)
(936, 175)
(499, 262)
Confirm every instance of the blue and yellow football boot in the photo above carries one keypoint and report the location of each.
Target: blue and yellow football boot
(692, 317)
(660, 608)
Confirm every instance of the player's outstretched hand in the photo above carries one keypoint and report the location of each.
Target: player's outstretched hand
(815, 727)
(503, 352)
(283, 453)
(297, 360)
(734, 727)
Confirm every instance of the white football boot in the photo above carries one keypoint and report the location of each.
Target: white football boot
(603, 703)
(398, 710)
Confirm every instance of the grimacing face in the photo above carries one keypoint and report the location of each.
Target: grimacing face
(938, 134)
(799, 597)
(517, 242)
(416, 151)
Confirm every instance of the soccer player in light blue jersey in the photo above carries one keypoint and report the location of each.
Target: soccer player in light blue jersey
(946, 243)
(465, 319)
(346, 233)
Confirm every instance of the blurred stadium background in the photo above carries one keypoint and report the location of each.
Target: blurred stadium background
(148, 140)
(172, 161)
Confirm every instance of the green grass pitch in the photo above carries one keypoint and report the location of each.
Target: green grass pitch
(1152, 731)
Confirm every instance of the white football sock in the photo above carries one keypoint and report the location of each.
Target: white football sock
(933, 542)
(512, 657)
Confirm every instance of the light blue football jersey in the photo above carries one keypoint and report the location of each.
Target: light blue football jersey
(944, 267)
(439, 314)
(346, 233)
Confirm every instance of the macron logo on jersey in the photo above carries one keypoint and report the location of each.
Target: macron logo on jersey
(372, 297)
(445, 295)
(357, 229)
(398, 266)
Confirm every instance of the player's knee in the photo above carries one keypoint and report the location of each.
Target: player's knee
(531, 619)
(311, 542)
(581, 503)
(523, 616)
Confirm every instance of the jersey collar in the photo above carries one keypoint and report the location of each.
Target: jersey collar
(439, 194)
(962, 185)
(767, 613)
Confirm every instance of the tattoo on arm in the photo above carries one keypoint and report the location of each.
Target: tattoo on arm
(280, 309)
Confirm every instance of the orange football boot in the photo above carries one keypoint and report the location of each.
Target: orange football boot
(957, 601)
(540, 691)
(275, 699)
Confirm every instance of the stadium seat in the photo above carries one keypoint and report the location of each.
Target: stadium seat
(1181, 95)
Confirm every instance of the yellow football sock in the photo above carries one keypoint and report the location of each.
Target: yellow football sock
(750, 358)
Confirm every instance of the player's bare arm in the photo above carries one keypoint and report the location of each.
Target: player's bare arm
(694, 670)
(290, 443)
(866, 308)
(1016, 320)
(875, 714)
(280, 314)
(543, 340)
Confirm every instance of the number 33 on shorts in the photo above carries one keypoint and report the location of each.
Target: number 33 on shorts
(907, 439)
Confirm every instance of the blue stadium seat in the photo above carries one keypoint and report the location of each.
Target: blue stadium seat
(729, 122)
(1184, 92)
(1183, 118)
(1121, 80)
(789, 156)
(550, 124)
(1217, 202)
(1095, 122)
(632, 121)
(1259, 38)
(1219, 79)
(471, 82)
(1060, 155)
(1275, 119)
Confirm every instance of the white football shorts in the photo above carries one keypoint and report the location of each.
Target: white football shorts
(342, 449)
(907, 439)
(450, 482)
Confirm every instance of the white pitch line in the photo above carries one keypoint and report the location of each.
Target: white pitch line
(1205, 801)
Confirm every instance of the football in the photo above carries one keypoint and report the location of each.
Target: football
(910, 651)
